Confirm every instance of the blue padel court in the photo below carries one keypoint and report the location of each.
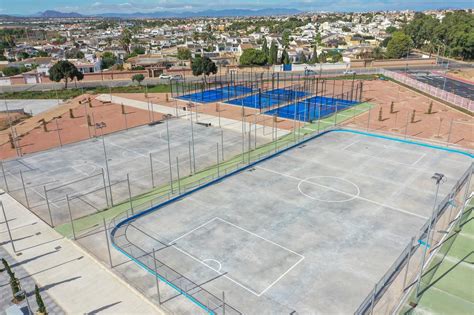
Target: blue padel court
(312, 108)
(216, 95)
(268, 98)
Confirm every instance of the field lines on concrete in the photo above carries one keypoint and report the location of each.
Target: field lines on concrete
(164, 191)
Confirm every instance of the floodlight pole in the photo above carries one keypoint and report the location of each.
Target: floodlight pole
(4, 177)
(70, 217)
(439, 178)
(192, 137)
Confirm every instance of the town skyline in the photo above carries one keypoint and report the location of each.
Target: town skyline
(93, 7)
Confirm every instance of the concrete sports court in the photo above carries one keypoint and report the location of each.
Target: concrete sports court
(75, 169)
(310, 230)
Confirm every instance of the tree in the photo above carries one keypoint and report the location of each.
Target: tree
(64, 70)
(265, 48)
(273, 54)
(203, 66)
(14, 282)
(399, 45)
(285, 58)
(138, 78)
(42, 53)
(11, 71)
(314, 57)
(391, 29)
(302, 57)
(285, 38)
(39, 301)
(377, 53)
(126, 39)
(108, 60)
(184, 53)
(74, 54)
(253, 56)
(323, 57)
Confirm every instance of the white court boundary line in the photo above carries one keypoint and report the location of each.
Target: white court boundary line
(308, 180)
(343, 192)
(172, 243)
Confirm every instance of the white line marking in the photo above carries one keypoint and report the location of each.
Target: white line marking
(342, 192)
(307, 180)
(419, 159)
(220, 266)
(213, 260)
(196, 228)
(271, 242)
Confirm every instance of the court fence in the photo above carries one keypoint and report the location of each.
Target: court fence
(411, 269)
(431, 90)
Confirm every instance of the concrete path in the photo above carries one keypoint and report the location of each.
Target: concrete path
(232, 124)
(76, 282)
(27, 284)
(33, 107)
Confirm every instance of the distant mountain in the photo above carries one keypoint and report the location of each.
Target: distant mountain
(57, 14)
(206, 13)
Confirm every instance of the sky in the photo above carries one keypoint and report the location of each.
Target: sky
(25, 7)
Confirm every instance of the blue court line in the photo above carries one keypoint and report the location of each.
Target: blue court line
(217, 180)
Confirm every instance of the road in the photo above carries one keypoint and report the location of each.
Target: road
(440, 81)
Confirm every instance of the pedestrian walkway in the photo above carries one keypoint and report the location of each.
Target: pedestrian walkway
(70, 277)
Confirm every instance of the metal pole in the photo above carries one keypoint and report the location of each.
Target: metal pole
(427, 240)
(24, 190)
(169, 156)
(217, 152)
(222, 144)
(156, 278)
(105, 188)
(408, 263)
(70, 217)
(108, 245)
(49, 208)
(190, 159)
(192, 139)
(223, 303)
(107, 165)
(8, 226)
(449, 133)
(5, 177)
(151, 172)
(372, 303)
(59, 133)
(129, 193)
(179, 181)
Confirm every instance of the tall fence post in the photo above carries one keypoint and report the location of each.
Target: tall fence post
(408, 264)
(49, 207)
(70, 217)
(169, 156)
(156, 278)
(105, 189)
(151, 172)
(218, 163)
(8, 226)
(5, 177)
(108, 244)
(130, 193)
(24, 190)
(179, 180)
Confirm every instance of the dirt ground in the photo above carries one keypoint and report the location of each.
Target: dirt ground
(411, 116)
(61, 128)
(12, 118)
(464, 74)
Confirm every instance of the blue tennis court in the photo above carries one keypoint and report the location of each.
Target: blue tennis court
(311, 108)
(268, 98)
(215, 95)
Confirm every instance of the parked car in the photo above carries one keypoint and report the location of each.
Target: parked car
(165, 76)
(349, 72)
(309, 72)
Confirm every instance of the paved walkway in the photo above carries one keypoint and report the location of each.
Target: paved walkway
(226, 123)
(75, 281)
(27, 284)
